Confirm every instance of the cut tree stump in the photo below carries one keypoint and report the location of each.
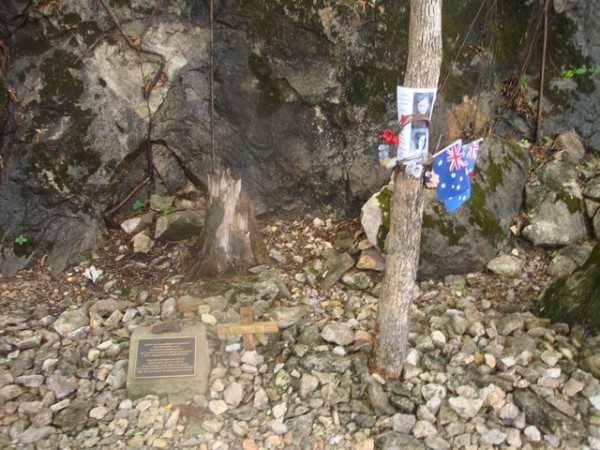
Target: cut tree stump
(230, 242)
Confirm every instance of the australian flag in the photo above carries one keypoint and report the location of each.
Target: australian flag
(455, 165)
(454, 186)
(450, 165)
(451, 203)
(470, 151)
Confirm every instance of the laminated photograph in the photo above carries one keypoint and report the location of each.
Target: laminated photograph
(414, 137)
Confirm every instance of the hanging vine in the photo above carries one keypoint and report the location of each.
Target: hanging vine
(137, 44)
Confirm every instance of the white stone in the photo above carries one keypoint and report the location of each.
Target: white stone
(490, 360)
(465, 407)
(143, 405)
(235, 347)
(105, 345)
(509, 411)
(506, 265)
(217, 407)
(573, 387)
(550, 357)
(493, 396)
(208, 319)
(60, 405)
(339, 351)
(318, 222)
(142, 243)
(513, 437)
(338, 333)
(594, 442)
(434, 404)
(218, 385)
(261, 400)
(412, 357)
(252, 358)
(508, 362)
(126, 404)
(172, 419)
(93, 354)
(99, 412)
(423, 429)
(552, 373)
(595, 401)
(234, 394)
(532, 433)
(279, 411)
(403, 423)
(308, 384)
(438, 337)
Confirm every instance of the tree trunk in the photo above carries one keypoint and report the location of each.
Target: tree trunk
(230, 242)
(406, 216)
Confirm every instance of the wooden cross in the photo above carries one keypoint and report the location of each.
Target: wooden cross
(246, 328)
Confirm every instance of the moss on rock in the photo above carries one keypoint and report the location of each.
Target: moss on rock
(480, 215)
(575, 298)
(62, 163)
(385, 200)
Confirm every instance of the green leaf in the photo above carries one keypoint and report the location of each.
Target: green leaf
(460, 287)
(582, 70)
(138, 204)
(95, 255)
(21, 239)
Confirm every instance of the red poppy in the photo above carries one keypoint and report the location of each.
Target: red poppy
(389, 136)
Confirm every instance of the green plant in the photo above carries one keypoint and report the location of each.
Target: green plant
(138, 204)
(524, 141)
(548, 141)
(214, 285)
(523, 83)
(581, 70)
(460, 287)
(21, 239)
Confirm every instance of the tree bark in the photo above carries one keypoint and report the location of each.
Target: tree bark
(231, 242)
(406, 216)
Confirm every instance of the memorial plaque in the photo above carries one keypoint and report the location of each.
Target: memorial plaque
(166, 357)
(173, 363)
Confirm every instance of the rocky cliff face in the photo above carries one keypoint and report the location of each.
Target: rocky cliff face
(93, 111)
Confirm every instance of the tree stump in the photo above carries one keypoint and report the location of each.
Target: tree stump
(230, 242)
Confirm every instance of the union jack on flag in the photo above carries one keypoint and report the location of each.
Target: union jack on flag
(455, 156)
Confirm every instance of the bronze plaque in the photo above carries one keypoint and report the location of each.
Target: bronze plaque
(166, 357)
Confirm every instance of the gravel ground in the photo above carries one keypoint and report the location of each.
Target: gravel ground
(482, 371)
